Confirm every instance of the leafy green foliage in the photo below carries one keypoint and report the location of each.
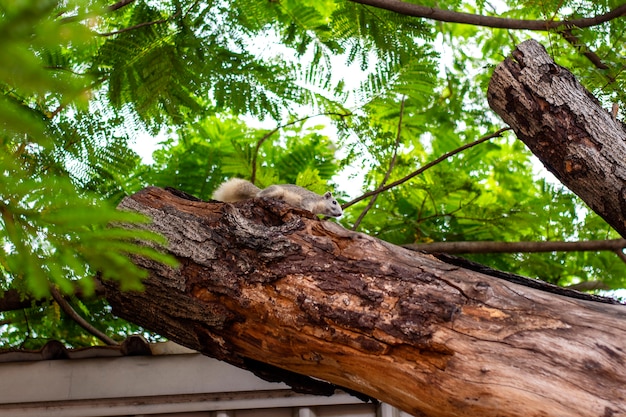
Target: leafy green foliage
(54, 229)
(218, 148)
(52, 234)
(147, 69)
(237, 87)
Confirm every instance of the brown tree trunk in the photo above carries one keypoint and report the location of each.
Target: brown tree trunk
(267, 287)
(565, 127)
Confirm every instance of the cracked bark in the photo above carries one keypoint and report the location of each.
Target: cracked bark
(566, 127)
(275, 290)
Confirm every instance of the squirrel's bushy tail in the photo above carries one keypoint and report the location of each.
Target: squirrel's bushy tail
(235, 189)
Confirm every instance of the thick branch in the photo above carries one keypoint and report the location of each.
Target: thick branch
(426, 12)
(565, 127)
(260, 282)
(589, 286)
(509, 247)
(13, 300)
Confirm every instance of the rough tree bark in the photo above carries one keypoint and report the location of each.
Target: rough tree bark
(264, 286)
(565, 127)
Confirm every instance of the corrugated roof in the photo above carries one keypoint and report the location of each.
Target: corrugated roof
(160, 379)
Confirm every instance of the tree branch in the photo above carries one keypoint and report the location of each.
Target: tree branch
(417, 10)
(111, 8)
(261, 282)
(589, 286)
(427, 166)
(573, 40)
(142, 24)
(120, 4)
(392, 163)
(565, 126)
(137, 26)
(620, 253)
(508, 247)
(12, 300)
(67, 308)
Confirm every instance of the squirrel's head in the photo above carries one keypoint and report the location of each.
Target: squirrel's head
(332, 207)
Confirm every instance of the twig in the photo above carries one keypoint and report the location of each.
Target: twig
(29, 330)
(67, 308)
(417, 10)
(114, 7)
(143, 24)
(392, 164)
(111, 8)
(139, 25)
(427, 166)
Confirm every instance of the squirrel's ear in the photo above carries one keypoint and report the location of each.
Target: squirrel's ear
(328, 195)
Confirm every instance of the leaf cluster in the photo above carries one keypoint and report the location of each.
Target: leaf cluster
(220, 147)
(57, 163)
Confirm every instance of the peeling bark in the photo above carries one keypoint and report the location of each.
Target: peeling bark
(566, 127)
(261, 284)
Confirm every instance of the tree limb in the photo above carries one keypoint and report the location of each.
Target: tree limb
(427, 166)
(262, 282)
(508, 247)
(111, 8)
(12, 300)
(417, 10)
(565, 126)
(589, 286)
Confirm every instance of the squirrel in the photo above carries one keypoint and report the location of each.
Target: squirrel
(237, 189)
